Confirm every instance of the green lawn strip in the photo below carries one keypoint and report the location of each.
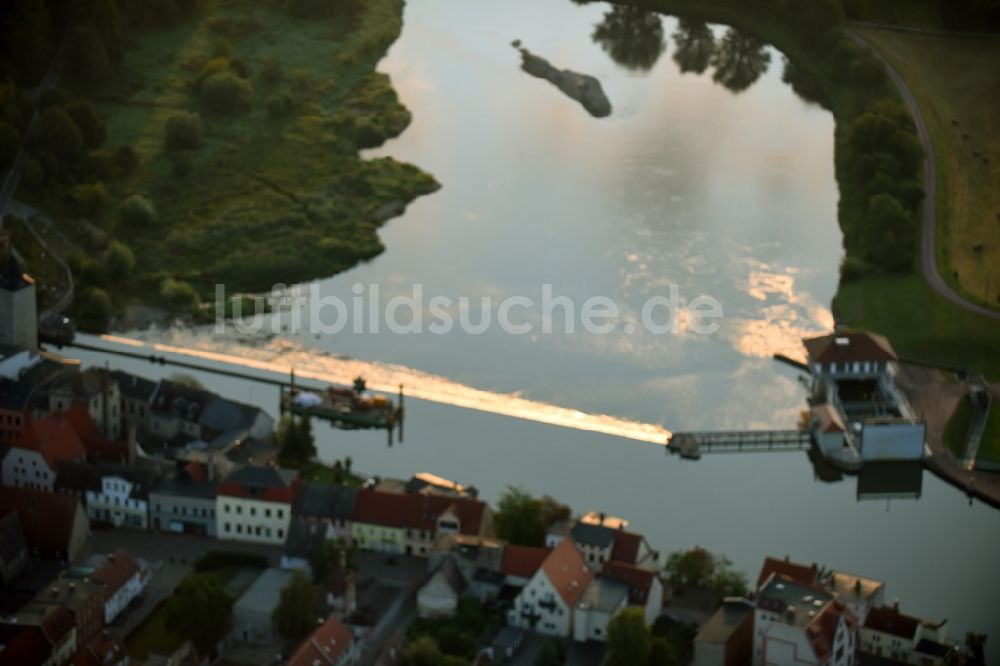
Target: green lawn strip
(920, 323)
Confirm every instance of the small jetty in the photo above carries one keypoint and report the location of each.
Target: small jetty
(690, 445)
(353, 408)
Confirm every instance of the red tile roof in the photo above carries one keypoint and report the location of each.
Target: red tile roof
(567, 571)
(28, 647)
(47, 519)
(522, 561)
(324, 646)
(848, 347)
(196, 471)
(118, 570)
(888, 620)
(626, 547)
(416, 511)
(822, 629)
(96, 445)
(54, 438)
(799, 573)
(58, 624)
(639, 580)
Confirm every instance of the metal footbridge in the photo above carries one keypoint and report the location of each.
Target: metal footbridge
(691, 445)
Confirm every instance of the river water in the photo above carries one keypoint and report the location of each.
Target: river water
(718, 179)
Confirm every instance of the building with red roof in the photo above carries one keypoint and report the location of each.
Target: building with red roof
(800, 573)
(890, 634)
(124, 579)
(522, 562)
(35, 457)
(548, 602)
(411, 522)
(645, 589)
(331, 644)
(54, 525)
(254, 504)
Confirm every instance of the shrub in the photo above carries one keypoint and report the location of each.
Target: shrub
(184, 131)
(181, 165)
(119, 260)
(218, 559)
(210, 68)
(137, 210)
(179, 294)
(95, 310)
(126, 160)
(226, 93)
(91, 125)
(59, 134)
(270, 71)
(90, 199)
(280, 106)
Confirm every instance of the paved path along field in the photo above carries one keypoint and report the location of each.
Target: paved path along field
(928, 258)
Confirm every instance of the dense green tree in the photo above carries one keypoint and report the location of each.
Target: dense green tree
(726, 581)
(226, 93)
(91, 125)
(694, 46)
(179, 294)
(739, 60)
(86, 55)
(25, 38)
(553, 653)
(803, 84)
(90, 199)
(328, 560)
(297, 611)
(126, 160)
(662, 653)
(189, 381)
(138, 211)
(94, 311)
(296, 445)
(889, 233)
(424, 651)
(633, 37)
(691, 567)
(519, 519)
(629, 639)
(120, 261)
(199, 610)
(184, 131)
(10, 143)
(59, 134)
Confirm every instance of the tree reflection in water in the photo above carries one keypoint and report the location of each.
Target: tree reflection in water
(739, 61)
(694, 46)
(633, 37)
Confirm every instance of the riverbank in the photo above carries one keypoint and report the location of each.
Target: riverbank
(921, 322)
(266, 186)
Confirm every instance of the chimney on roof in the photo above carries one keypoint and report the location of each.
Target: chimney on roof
(787, 558)
(895, 605)
(601, 516)
(857, 586)
(790, 613)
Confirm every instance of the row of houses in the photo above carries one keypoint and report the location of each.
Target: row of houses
(51, 410)
(800, 615)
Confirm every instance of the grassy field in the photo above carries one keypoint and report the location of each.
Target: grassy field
(276, 193)
(919, 323)
(955, 82)
(913, 13)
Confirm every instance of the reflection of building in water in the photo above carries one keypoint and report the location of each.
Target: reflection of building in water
(859, 414)
(891, 480)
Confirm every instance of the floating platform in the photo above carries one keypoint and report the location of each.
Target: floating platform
(346, 408)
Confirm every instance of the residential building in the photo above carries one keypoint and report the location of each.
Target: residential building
(859, 593)
(185, 502)
(78, 592)
(331, 644)
(116, 495)
(601, 601)
(304, 538)
(328, 503)
(97, 391)
(890, 634)
(547, 602)
(860, 413)
(255, 504)
(503, 645)
(438, 597)
(727, 638)
(427, 483)
(54, 525)
(13, 548)
(136, 398)
(411, 523)
(176, 410)
(602, 538)
(798, 624)
(252, 611)
(802, 574)
(520, 563)
(645, 589)
(35, 457)
(124, 579)
(18, 306)
(23, 378)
